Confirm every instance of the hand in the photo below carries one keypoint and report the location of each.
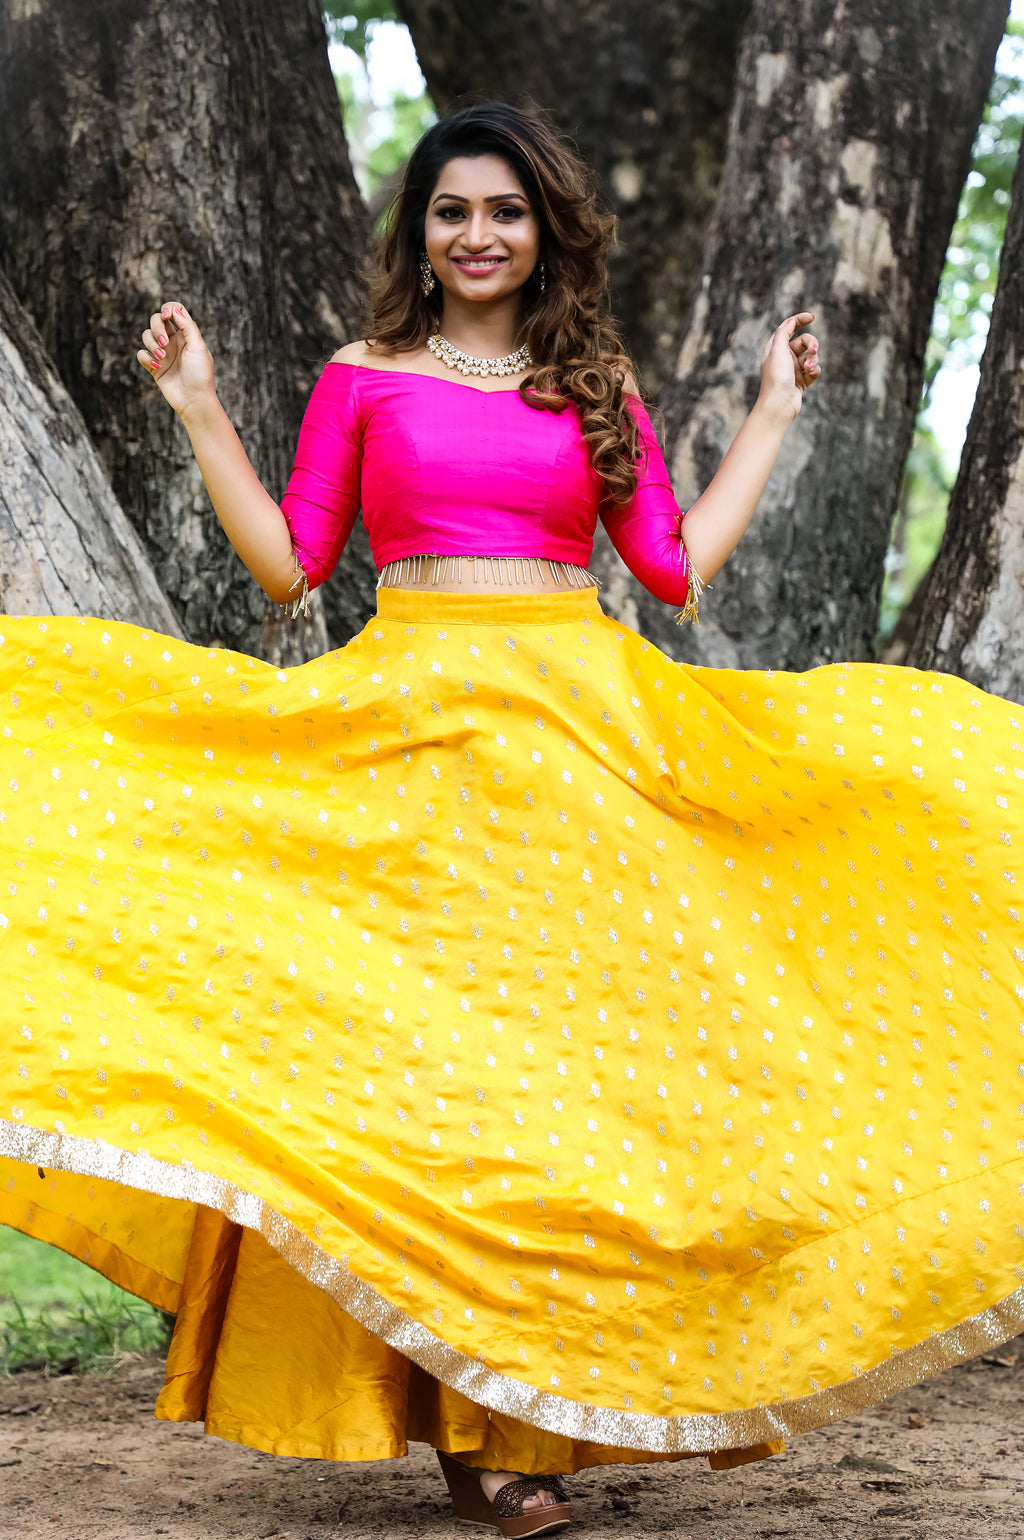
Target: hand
(789, 365)
(175, 354)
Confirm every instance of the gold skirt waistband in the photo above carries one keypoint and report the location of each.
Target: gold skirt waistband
(506, 607)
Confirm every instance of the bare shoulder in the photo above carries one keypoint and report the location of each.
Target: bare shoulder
(629, 385)
(353, 353)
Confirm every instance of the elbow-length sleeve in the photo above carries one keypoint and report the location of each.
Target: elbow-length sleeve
(322, 498)
(646, 531)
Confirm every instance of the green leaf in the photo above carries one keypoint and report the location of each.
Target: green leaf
(352, 21)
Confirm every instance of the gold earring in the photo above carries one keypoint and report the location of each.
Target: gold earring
(543, 277)
(427, 278)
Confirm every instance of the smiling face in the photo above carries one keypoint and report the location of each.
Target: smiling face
(481, 234)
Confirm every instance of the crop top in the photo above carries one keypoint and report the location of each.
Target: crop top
(442, 467)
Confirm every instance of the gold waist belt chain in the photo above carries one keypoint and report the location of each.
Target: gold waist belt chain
(502, 571)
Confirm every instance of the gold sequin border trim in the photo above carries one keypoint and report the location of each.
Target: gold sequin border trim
(688, 1433)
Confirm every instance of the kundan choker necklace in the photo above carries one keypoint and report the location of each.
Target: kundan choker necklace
(465, 363)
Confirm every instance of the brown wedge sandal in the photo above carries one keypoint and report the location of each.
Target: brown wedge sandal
(505, 1513)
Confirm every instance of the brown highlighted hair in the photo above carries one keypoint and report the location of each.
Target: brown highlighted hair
(575, 345)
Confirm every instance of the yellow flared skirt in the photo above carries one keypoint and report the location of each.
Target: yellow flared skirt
(495, 1033)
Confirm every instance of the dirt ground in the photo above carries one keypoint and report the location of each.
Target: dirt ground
(83, 1457)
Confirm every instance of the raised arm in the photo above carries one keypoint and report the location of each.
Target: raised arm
(673, 554)
(285, 547)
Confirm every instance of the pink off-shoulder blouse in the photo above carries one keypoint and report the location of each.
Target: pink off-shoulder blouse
(443, 467)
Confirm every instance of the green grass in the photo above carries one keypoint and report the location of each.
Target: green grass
(56, 1312)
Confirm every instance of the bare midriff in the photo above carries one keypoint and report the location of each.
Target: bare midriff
(521, 574)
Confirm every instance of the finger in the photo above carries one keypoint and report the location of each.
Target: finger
(175, 314)
(149, 341)
(810, 369)
(782, 336)
(159, 329)
(149, 363)
(150, 350)
(168, 318)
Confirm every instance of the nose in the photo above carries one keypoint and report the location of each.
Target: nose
(477, 234)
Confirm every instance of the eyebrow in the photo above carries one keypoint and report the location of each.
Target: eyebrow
(494, 198)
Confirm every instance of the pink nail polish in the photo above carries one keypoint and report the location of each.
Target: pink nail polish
(163, 342)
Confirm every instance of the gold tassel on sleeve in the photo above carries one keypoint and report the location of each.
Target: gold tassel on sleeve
(694, 589)
(694, 586)
(300, 604)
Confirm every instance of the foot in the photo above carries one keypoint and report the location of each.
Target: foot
(518, 1507)
(491, 1481)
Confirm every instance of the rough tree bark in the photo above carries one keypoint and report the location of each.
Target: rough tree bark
(644, 91)
(66, 548)
(849, 142)
(970, 618)
(194, 153)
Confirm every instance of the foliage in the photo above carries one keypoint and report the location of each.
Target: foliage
(56, 1311)
(352, 21)
(968, 284)
(380, 139)
(381, 128)
(959, 328)
(94, 1334)
(920, 519)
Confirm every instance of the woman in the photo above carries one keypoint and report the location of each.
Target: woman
(506, 1037)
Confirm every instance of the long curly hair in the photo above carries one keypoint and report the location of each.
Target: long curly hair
(577, 353)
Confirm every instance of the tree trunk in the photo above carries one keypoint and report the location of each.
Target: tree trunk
(849, 143)
(970, 618)
(193, 153)
(65, 546)
(644, 91)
